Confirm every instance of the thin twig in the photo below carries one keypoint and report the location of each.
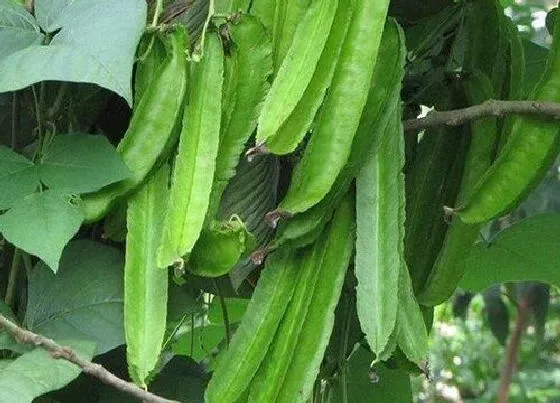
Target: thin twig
(488, 108)
(12, 279)
(512, 351)
(66, 353)
(224, 312)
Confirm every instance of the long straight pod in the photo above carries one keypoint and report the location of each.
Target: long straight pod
(319, 320)
(384, 93)
(297, 124)
(145, 285)
(296, 71)
(195, 162)
(251, 341)
(252, 66)
(379, 232)
(530, 150)
(331, 141)
(151, 128)
(449, 266)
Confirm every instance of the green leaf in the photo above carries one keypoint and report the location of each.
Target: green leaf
(207, 335)
(181, 379)
(81, 163)
(378, 384)
(181, 304)
(200, 342)
(145, 285)
(250, 194)
(535, 64)
(525, 251)
(236, 308)
(42, 224)
(77, 163)
(90, 42)
(18, 29)
(37, 372)
(84, 300)
(18, 177)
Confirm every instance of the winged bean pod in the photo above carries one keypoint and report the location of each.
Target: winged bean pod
(145, 286)
(195, 162)
(331, 142)
(151, 128)
(530, 150)
(297, 68)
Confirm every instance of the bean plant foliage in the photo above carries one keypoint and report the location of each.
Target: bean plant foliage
(223, 201)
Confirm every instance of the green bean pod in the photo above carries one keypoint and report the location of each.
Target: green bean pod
(318, 323)
(296, 71)
(145, 286)
(264, 11)
(148, 64)
(251, 341)
(266, 383)
(331, 141)
(379, 232)
(530, 150)
(151, 129)
(410, 329)
(432, 180)
(294, 128)
(385, 86)
(287, 19)
(195, 162)
(412, 336)
(513, 86)
(449, 266)
(251, 67)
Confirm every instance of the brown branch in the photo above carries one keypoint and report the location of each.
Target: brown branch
(488, 108)
(512, 351)
(66, 353)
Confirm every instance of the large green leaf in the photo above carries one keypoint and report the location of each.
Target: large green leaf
(525, 251)
(18, 177)
(90, 41)
(77, 163)
(535, 63)
(81, 163)
(37, 372)
(84, 300)
(378, 384)
(18, 29)
(200, 341)
(42, 224)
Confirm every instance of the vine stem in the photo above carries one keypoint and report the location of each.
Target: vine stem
(157, 12)
(488, 108)
(342, 360)
(224, 312)
(66, 353)
(16, 112)
(12, 279)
